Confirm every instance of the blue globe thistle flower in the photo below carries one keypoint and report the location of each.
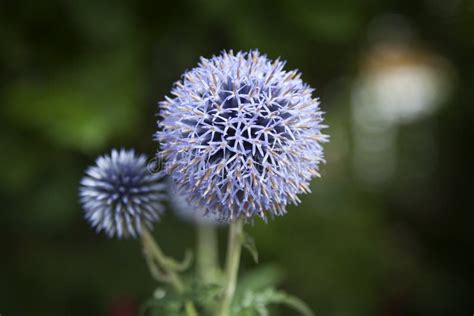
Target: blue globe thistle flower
(241, 136)
(119, 194)
(189, 212)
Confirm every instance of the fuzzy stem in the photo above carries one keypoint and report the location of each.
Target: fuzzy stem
(234, 247)
(153, 251)
(207, 260)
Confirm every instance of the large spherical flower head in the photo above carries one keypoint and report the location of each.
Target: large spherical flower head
(119, 194)
(241, 135)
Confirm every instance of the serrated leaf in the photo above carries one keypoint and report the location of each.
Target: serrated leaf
(249, 244)
(259, 302)
(292, 301)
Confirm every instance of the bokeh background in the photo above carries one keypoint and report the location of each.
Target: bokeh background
(389, 227)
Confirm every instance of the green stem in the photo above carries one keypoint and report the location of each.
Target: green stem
(154, 255)
(234, 247)
(207, 255)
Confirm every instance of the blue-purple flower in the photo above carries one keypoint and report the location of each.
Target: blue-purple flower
(241, 136)
(119, 194)
(189, 212)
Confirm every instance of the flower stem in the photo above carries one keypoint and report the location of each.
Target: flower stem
(234, 247)
(159, 268)
(207, 255)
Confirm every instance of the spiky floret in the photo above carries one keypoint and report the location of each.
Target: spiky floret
(189, 212)
(241, 136)
(119, 194)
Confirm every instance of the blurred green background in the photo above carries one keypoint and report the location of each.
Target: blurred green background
(388, 229)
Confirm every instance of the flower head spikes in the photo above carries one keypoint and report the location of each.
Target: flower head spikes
(187, 211)
(241, 136)
(119, 194)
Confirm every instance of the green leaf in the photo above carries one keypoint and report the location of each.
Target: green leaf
(164, 302)
(182, 265)
(263, 277)
(293, 302)
(259, 302)
(205, 294)
(249, 244)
